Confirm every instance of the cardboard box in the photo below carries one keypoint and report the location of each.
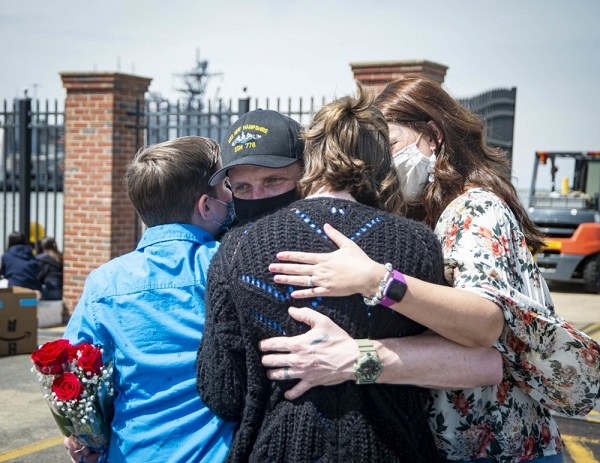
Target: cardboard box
(18, 321)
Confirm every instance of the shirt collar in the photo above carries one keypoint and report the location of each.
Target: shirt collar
(174, 231)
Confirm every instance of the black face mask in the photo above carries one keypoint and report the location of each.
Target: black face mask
(247, 210)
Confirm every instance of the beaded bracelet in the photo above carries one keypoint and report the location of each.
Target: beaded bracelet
(375, 300)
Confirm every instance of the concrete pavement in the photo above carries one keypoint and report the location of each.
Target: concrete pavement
(28, 433)
(581, 309)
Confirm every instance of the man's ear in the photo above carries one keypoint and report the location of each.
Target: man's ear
(202, 208)
(438, 133)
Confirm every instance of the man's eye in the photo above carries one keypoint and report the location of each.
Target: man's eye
(240, 188)
(274, 181)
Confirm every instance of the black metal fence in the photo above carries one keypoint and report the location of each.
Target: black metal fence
(32, 141)
(31, 169)
(163, 120)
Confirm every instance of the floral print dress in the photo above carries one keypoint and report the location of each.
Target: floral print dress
(547, 363)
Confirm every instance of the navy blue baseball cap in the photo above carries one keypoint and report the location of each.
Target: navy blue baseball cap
(262, 138)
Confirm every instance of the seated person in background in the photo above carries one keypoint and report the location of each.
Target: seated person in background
(51, 269)
(19, 266)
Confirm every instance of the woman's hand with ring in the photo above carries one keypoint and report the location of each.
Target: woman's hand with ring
(340, 273)
(323, 356)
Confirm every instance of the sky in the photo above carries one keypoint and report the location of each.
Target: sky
(548, 49)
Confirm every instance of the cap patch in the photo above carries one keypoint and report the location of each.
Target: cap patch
(263, 138)
(243, 136)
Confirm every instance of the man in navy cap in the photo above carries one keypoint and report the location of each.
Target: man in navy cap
(262, 158)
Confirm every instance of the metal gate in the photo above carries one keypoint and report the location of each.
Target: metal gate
(31, 169)
(160, 121)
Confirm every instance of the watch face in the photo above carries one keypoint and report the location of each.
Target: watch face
(369, 369)
(396, 290)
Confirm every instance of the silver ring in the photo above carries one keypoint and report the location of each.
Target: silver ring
(310, 282)
(286, 373)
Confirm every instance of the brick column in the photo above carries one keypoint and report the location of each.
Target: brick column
(100, 139)
(375, 74)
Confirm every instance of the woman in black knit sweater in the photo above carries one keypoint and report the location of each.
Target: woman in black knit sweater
(350, 183)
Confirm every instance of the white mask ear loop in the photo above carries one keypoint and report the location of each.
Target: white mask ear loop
(431, 166)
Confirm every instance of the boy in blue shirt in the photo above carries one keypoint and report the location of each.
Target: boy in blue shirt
(146, 309)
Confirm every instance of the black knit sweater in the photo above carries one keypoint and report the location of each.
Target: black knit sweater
(342, 423)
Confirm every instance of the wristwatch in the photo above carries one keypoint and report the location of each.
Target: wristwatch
(394, 290)
(368, 366)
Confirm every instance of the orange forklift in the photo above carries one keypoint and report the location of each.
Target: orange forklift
(569, 216)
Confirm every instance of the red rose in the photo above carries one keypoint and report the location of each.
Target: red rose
(486, 436)
(67, 387)
(454, 230)
(528, 366)
(73, 351)
(502, 392)
(528, 451)
(497, 249)
(546, 435)
(485, 232)
(527, 316)
(461, 404)
(90, 359)
(590, 356)
(49, 358)
(516, 344)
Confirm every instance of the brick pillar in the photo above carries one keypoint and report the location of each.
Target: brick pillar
(100, 139)
(375, 74)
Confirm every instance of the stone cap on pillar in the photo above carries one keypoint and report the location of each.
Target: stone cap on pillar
(98, 81)
(378, 73)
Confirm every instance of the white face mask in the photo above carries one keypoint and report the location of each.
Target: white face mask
(414, 169)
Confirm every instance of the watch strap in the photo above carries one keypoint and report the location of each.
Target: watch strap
(365, 345)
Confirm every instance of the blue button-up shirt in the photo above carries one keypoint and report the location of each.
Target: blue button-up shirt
(146, 309)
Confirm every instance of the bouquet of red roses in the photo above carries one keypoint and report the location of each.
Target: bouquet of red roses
(77, 387)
